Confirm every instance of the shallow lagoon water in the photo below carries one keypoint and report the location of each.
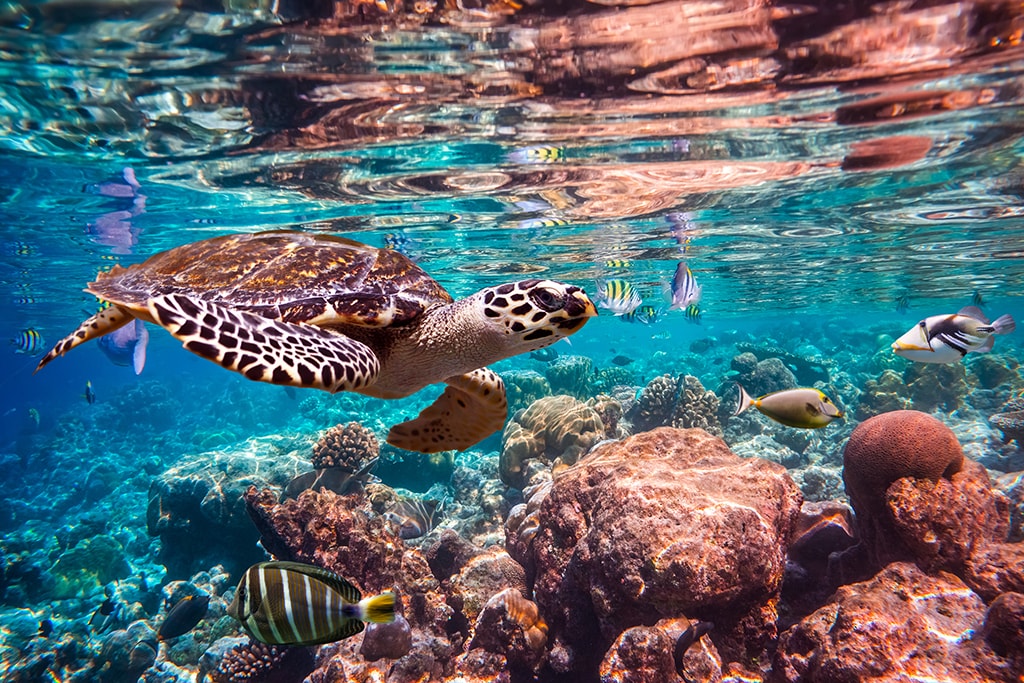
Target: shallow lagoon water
(830, 178)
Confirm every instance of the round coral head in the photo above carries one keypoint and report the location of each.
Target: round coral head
(893, 445)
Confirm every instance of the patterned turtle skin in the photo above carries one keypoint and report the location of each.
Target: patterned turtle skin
(323, 312)
(289, 276)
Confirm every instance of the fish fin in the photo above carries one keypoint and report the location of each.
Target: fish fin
(743, 402)
(380, 609)
(973, 312)
(1004, 324)
(472, 407)
(986, 346)
(141, 340)
(103, 322)
(264, 349)
(346, 589)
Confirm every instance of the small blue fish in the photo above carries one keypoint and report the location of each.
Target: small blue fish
(28, 341)
(538, 154)
(618, 296)
(645, 315)
(685, 290)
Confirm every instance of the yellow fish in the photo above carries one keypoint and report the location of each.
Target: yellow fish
(803, 408)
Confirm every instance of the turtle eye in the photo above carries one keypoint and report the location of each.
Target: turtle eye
(547, 299)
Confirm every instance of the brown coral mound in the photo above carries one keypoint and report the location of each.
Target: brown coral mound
(887, 447)
(901, 625)
(256, 662)
(348, 446)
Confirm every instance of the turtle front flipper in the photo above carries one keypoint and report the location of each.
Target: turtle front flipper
(472, 407)
(104, 322)
(264, 349)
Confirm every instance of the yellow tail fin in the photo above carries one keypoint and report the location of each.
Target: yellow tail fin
(380, 609)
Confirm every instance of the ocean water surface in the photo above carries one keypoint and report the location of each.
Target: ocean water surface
(830, 176)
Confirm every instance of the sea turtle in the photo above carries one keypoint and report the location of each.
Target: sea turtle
(318, 311)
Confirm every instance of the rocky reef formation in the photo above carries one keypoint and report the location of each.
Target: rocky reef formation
(620, 533)
(1010, 421)
(195, 506)
(902, 624)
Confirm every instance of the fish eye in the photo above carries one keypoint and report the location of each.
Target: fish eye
(547, 299)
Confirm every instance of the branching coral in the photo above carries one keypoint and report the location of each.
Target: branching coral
(349, 446)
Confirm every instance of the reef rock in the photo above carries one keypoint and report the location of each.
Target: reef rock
(344, 535)
(901, 625)
(571, 375)
(1010, 421)
(940, 511)
(662, 524)
(510, 625)
(196, 508)
(553, 429)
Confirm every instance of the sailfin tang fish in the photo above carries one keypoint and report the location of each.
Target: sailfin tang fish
(290, 603)
(948, 338)
(802, 408)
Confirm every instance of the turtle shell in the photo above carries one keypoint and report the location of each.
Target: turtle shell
(289, 276)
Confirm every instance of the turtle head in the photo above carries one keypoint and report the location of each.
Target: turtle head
(532, 314)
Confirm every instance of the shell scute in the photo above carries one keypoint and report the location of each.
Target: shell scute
(289, 276)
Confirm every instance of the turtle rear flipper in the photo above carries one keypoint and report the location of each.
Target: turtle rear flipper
(104, 322)
(472, 407)
(266, 350)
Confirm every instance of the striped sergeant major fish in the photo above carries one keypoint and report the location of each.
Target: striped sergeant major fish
(618, 296)
(290, 603)
(28, 341)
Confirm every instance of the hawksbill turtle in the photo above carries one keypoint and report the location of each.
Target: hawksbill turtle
(308, 310)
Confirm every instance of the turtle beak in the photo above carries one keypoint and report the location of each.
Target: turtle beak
(579, 305)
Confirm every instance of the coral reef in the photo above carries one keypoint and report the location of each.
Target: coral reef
(994, 371)
(555, 429)
(348, 446)
(196, 505)
(1010, 421)
(627, 535)
(92, 563)
(675, 402)
(571, 375)
(509, 625)
(902, 624)
(761, 377)
(932, 385)
(243, 660)
(523, 387)
(885, 394)
(807, 370)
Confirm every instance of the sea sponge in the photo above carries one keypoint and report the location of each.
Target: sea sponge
(553, 429)
(893, 445)
(349, 446)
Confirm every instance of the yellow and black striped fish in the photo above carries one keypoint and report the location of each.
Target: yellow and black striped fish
(693, 313)
(618, 296)
(290, 603)
(28, 341)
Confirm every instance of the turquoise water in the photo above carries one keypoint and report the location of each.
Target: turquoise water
(829, 180)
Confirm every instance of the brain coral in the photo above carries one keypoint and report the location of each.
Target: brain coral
(890, 446)
(553, 428)
(349, 446)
